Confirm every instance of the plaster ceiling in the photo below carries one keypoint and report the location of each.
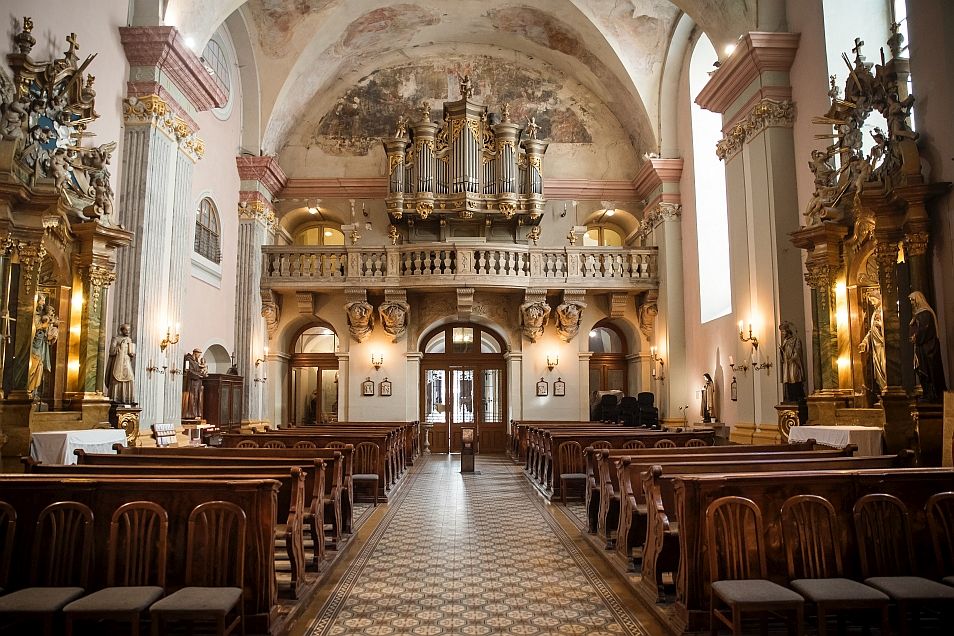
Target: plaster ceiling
(316, 50)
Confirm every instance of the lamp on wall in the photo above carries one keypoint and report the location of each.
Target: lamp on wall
(751, 338)
(742, 366)
(259, 361)
(377, 359)
(655, 358)
(553, 360)
(170, 339)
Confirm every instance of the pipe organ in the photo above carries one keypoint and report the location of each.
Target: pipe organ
(475, 164)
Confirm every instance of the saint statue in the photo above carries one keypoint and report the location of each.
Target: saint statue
(120, 370)
(792, 363)
(927, 348)
(873, 343)
(194, 369)
(708, 400)
(44, 338)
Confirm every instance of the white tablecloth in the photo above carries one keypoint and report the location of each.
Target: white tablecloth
(868, 438)
(56, 447)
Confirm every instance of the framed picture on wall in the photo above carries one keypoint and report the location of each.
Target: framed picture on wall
(385, 388)
(543, 388)
(367, 387)
(559, 388)
(734, 390)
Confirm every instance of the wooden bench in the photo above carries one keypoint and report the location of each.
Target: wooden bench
(29, 494)
(694, 493)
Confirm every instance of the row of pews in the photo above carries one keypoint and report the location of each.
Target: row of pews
(295, 489)
(650, 505)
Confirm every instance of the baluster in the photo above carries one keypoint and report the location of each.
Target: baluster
(417, 263)
(480, 262)
(451, 261)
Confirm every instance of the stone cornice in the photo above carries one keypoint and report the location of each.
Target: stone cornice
(148, 89)
(655, 172)
(154, 111)
(756, 53)
(265, 170)
(766, 114)
(164, 48)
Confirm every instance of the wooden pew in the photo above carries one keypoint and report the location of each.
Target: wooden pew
(693, 494)
(292, 502)
(593, 485)
(29, 494)
(338, 483)
(405, 444)
(321, 509)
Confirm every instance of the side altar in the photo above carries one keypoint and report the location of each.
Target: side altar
(867, 234)
(58, 242)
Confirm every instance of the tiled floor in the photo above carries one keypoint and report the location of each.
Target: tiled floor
(474, 554)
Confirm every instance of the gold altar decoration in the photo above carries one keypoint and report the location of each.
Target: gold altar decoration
(475, 164)
(867, 238)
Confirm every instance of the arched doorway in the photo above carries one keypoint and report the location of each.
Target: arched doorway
(314, 377)
(608, 368)
(463, 384)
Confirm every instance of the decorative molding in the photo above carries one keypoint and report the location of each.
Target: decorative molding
(654, 172)
(534, 314)
(265, 170)
(306, 303)
(164, 48)
(766, 114)
(819, 275)
(155, 111)
(99, 279)
(271, 311)
(660, 212)
(146, 89)
(465, 302)
(646, 311)
(916, 243)
(617, 305)
(253, 207)
(756, 53)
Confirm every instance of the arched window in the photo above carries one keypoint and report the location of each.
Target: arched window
(207, 231)
(317, 340)
(319, 235)
(217, 64)
(712, 219)
(602, 236)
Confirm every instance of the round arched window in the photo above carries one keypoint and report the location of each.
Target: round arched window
(602, 236)
(319, 235)
(207, 231)
(217, 64)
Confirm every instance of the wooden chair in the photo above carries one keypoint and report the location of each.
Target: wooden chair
(62, 547)
(366, 466)
(940, 514)
(736, 547)
(274, 443)
(247, 443)
(887, 557)
(600, 445)
(8, 529)
(215, 571)
(136, 569)
(665, 443)
(695, 442)
(335, 445)
(634, 443)
(813, 555)
(571, 466)
(305, 444)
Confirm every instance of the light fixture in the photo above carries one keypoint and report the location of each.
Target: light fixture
(593, 333)
(729, 49)
(742, 366)
(259, 361)
(655, 358)
(553, 360)
(152, 368)
(751, 338)
(170, 339)
(377, 359)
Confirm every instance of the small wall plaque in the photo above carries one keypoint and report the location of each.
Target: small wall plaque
(367, 387)
(559, 388)
(385, 388)
(543, 388)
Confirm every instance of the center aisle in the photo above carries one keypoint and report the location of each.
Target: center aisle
(472, 554)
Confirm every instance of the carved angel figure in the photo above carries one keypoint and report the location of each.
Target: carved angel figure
(568, 317)
(394, 317)
(533, 318)
(272, 315)
(13, 118)
(360, 319)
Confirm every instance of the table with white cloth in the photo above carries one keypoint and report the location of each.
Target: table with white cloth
(56, 447)
(867, 438)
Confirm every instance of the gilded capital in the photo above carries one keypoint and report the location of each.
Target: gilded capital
(818, 275)
(99, 278)
(257, 210)
(916, 243)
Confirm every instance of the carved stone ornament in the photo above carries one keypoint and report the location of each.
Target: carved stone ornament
(533, 318)
(768, 113)
(569, 315)
(655, 216)
(916, 243)
(818, 275)
(395, 317)
(155, 111)
(99, 278)
(886, 252)
(257, 211)
(646, 311)
(271, 312)
(360, 319)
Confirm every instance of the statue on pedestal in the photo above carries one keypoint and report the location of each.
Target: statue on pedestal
(45, 336)
(194, 369)
(927, 348)
(120, 370)
(792, 369)
(708, 400)
(873, 343)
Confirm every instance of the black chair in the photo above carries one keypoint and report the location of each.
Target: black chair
(648, 413)
(629, 411)
(609, 408)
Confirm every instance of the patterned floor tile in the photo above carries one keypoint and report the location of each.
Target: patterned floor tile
(471, 554)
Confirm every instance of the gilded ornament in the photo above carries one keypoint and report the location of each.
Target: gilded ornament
(916, 243)
(393, 234)
(534, 234)
(507, 209)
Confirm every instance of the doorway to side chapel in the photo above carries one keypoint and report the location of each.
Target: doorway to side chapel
(463, 384)
(314, 377)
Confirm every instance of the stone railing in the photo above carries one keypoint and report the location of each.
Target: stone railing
(478, 265)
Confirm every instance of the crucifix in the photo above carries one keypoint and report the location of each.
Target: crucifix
(857, 50)
(74, 46)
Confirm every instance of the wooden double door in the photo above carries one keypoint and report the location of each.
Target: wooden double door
(462, 395)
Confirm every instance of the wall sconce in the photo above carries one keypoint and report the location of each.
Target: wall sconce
(152, 368)
(742, 366)
(377, 359)
(174, 371)
(655, 358)
(751, 338)
(259, 361)
(553, 360)
(169, 339)
(757, 365)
